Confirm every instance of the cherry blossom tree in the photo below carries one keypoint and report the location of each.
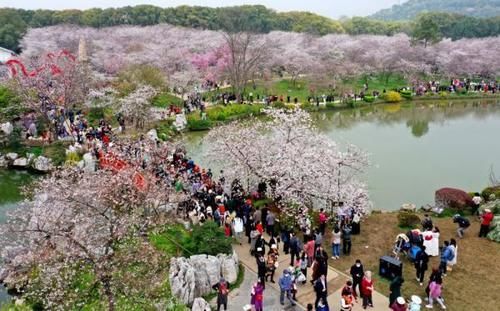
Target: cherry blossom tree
(194, 55)
(80, 222)
(49, 82)
(137, 105)
(213, 63)
(299, 164)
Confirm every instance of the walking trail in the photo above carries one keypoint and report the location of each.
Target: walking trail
(336, 280)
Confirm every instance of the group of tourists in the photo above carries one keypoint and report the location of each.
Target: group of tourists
(68, 124)
(456, 85)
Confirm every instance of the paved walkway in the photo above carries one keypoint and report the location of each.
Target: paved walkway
(240, 297)
(335, 278)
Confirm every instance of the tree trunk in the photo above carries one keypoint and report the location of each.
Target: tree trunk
(106, 284)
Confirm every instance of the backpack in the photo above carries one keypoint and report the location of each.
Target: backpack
(465, 223)
(451, 254)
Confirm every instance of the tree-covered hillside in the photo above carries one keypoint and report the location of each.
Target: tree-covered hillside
(15, 22)
(410, 9)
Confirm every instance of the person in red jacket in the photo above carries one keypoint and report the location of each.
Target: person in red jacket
(367, 289)
(486, 219)
(259, 227)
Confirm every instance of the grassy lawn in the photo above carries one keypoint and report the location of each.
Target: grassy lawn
(475, 274)
(300, 88)
(164, 100)
(376, 83)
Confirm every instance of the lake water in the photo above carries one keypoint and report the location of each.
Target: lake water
(11, 183)
(414, 149)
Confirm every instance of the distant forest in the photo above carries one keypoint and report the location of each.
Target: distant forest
(412, 8)
(15, 22)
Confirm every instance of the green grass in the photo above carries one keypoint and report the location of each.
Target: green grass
(301, 87)
(376, 82)
(164, 100)
(164, 129)
(164, 239)
(220, 114)
(95, 114)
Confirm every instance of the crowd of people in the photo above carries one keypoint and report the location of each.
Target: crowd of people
(70, 125)
(204, 197)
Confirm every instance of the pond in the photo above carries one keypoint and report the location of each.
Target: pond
(414, 149)
(11, 183)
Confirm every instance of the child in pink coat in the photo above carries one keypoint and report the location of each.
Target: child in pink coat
(435, 293)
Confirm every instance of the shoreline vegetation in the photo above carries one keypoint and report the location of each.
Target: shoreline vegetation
(219, 114)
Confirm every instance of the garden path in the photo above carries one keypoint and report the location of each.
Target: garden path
(335, 281)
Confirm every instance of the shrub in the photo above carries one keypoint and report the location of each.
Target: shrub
(9, 104)
(408, 219)
(135, 75)
(443, 94)
(279, 105)
(369, 98)
(97, 113)
(330, 105)
(56, 152)
(452, 198)
(306, 106)
(223, 113)
(393, 97)
(487, 192)
(72, 158)
(494, 233)
(194, 124)
(164, 129)
(169, 239)
(406, 94)
(352, 103)
(207, 238)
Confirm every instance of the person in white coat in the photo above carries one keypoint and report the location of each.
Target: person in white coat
(432, 246)
(238, 228)
(453, 262)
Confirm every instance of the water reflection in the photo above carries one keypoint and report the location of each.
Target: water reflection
(418, 117)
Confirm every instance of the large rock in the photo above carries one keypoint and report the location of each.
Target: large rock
(200, 304)
(229, 266)
(194, 276)
(207, 273)
(152, 134)
(3, 162)
(30, 157)
(180, 122)
(7, 128)
(182, 279)
(452, 198)
(408, 207)
(20, 162)
(42, 164)
(89, 162)
(11, 156)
